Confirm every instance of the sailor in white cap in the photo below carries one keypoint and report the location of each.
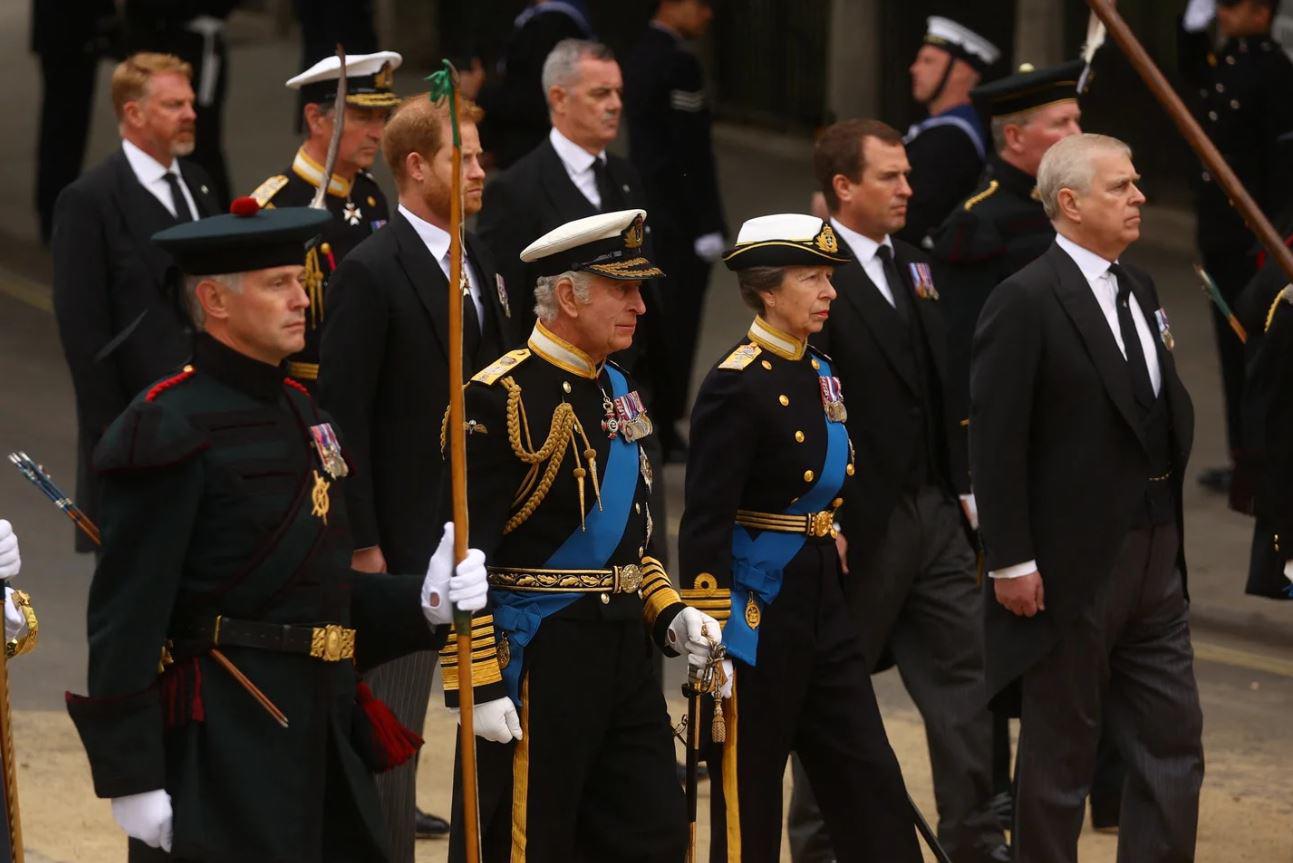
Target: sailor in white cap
(948, 148)
(355, 200)
(576, 760)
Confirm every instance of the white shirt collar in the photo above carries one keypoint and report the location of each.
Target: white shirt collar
(436, 239)
(561, 353)
(864, 248)
(147, 169)
(576, 158)
(1092, 265)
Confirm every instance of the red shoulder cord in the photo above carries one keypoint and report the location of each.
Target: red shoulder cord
(165, 385)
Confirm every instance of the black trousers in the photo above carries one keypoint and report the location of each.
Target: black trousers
(1126, 663)
(809, 693)
(1231, 270)
(67, 95)
(593, 777)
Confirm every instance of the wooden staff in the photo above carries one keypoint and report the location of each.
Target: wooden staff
(13, 822)
(1194, 135)
(444, 86)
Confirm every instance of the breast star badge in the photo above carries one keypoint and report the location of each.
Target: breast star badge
(351, 214)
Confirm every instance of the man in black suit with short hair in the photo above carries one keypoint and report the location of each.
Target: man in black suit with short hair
(910, 574)
(120, 321)
(1080, 430)
(384, 376)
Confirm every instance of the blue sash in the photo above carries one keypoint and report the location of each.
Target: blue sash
(758, 562)
(517, 614)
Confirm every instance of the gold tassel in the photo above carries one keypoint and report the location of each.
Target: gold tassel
(718, 730)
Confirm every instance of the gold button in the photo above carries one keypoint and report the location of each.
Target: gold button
(767, 365)
(816, 365)
(849, 470)
(637, 508)
(785, 400)
(565, 386)
(372, 202)
(606, 599)
(799, 436)
(808, 476)
(326, 248)
(641, 552)
(837, 503)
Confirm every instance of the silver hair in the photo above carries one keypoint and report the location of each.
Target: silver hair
(1068, 164)
(233, 281)
(546, 307)
(999, 124)
(561, 69)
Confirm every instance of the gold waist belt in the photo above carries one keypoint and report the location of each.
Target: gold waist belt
(815, 524)
(617, 579)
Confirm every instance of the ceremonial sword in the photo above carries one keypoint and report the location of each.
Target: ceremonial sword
(338, 123)
(39, 478)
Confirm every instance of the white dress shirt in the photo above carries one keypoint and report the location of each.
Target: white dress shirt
(865, 250)
(437, 243)
(579, 165)
(1104, 285)
(151, 175)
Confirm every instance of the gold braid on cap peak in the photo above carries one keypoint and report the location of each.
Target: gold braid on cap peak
(566, 431)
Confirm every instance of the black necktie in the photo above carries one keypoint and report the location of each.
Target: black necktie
(470, 320)
(182, 211)
(901, 302)
(1141, 387)
(606, 187)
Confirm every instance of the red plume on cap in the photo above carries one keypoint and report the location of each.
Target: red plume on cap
(244, 206)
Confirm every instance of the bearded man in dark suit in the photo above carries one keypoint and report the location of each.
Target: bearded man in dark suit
(119, 319)
(1080, 430)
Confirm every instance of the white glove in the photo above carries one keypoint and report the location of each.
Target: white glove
(10, 561)
(146, 817)
(496, 720)
(709, 247)
(15, 622)
(1199, 14)
(468, 589)
(1288, 573)
(690, 630)
(729, 680)
(970, 507)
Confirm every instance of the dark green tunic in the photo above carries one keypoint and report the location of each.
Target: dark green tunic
(209, 510)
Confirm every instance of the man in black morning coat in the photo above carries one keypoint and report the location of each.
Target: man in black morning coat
(120, 326)
(1080, 430)
(384, 375)
(910, 575)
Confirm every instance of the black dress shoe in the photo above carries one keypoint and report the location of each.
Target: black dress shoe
(427, 826)
(1216, 479)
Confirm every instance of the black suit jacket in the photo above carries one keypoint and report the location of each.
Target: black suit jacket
(1056, 452)
(867, 339)
(121, 323)
(531, 198)
(384, 375)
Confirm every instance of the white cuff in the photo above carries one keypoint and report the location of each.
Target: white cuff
(1288, 569)
(1019, 570)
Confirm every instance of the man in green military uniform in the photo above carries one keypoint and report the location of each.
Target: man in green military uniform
(559, 495)
(354, 199)
(226, 555)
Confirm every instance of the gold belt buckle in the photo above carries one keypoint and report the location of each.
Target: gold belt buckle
(627, 578)
(332, 643)
(821, 523)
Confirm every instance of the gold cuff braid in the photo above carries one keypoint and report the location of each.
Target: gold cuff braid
(657, 593)
(705, 595)
(485, 668)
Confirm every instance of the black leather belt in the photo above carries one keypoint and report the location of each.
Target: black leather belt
(329, 643)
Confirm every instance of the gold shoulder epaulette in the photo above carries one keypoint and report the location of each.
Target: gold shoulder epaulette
(741, 357)
(501, 366)
(1285, 295)
(268, 189)
(993, 185)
